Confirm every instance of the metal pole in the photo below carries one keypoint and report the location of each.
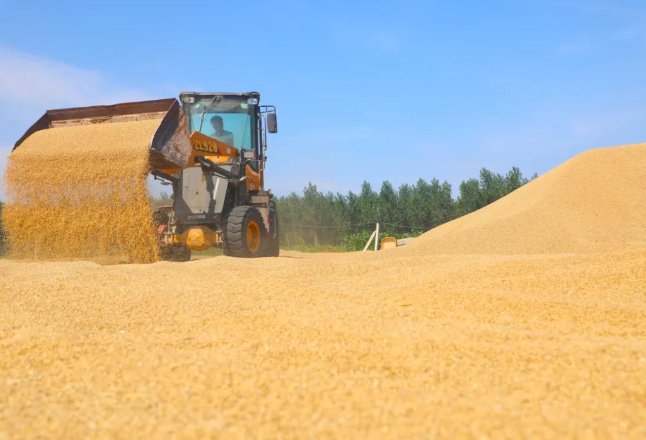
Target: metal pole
(369, 240)
(377, 238)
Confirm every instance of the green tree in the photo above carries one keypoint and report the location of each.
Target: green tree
(470, 198)
(404, 201)
(514, 180)
(290, 214)
(316, 219)
(353, 208)
(387, 203)
(492, 186)
(367, 204)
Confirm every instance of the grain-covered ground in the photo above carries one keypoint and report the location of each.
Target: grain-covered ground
(456, 335)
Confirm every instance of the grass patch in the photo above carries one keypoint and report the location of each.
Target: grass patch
(314, 249)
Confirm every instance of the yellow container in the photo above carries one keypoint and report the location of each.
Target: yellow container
(388, 243)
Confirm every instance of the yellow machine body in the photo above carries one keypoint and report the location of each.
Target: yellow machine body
(197, 238)
(217, 152)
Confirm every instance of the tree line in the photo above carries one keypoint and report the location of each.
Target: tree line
(316, 219)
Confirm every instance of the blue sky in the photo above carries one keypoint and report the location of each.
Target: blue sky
(365, 90)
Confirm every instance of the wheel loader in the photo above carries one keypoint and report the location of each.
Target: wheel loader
(211, 149)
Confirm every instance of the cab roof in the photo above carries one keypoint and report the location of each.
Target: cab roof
(228, 95)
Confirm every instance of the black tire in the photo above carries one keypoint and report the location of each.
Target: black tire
(245, 236)
(175, 252)
(273, 248)
(225, 245)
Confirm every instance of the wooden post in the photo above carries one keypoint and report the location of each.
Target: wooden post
(377, 238)
(369, 240)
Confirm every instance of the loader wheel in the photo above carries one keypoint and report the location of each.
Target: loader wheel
(175, 252)
(273, 247)
(246, 235)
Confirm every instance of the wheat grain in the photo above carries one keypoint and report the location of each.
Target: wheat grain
(81, 192)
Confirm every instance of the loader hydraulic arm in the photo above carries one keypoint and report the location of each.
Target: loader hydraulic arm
(210, 165)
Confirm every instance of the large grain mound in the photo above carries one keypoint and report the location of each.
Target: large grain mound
(594, 202)
(80, 192)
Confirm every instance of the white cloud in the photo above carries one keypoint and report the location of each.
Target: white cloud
(42, 82)
(30, 85)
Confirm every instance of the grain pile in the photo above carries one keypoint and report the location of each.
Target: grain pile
(594, 202)
(81, 192)
(393, 344)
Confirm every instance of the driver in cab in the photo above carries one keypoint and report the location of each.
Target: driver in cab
(220, 133)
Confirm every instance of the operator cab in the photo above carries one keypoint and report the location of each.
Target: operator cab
(236, 119)
(226, 177)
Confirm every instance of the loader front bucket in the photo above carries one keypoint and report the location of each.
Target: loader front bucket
(170, 146)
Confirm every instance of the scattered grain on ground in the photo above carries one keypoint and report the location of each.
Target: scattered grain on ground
(418, 342)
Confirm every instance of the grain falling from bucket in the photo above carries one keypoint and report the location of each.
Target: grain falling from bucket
(80, 192)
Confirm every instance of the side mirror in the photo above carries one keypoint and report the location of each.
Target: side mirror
(272, 124)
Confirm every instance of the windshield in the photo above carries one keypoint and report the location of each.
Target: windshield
(227, 120)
